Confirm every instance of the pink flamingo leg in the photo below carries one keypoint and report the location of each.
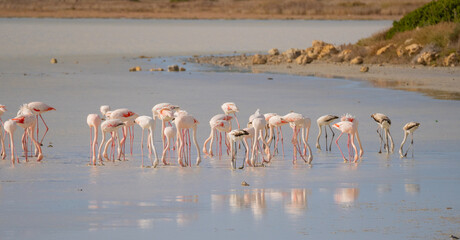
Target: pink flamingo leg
(46, 131)
(237, 123)
(282, 140)
(337, 142)
(142, 147)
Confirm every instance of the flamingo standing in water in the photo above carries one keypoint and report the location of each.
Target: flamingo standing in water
(110, 126)
(185, 122)
(349, 125)
(127, 117)
(146, 122)
(409, 128)
(257, 121)
(229, 108)
(170, 132)
(93, 121)
(236, 136)
(156, 112)
(28, 123)
(324, 121)
(2, 138)
(38, 108)
(10, 127)
(300, 124)
(276, 121)
(384, 123)
(217, 125)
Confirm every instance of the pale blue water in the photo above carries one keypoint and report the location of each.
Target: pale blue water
(383, 197)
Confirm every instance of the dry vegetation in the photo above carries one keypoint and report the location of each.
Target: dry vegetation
(226, 9)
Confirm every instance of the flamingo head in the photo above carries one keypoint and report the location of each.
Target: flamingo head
(19, 119)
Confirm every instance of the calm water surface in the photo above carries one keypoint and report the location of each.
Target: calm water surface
(383, 197)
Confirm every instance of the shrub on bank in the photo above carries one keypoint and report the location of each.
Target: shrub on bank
(430, 14)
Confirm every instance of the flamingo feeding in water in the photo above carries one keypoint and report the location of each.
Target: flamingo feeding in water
(127, 117)
(218, 123)
(276, 121)
(37, 109)
(110, 126)
(324, 121)
(236, 136)
(170, 133)
(300, 124)
(349, 125)
(146, 122)
(257, 121)
(409, 128)
(384, 123)
(10, 128)
(165, 116)
(93, 121)
(28, 123)
(229, 108)
(185, 122)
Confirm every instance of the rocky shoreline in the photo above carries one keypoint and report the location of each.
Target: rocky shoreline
(326, 60)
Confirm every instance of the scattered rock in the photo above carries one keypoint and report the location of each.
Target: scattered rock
(259, 59)
(327, 51)
(289, 61)
(173, 68)
(243, 183)
(303, 59)
(357, 60)
(182, 69)
(318, 44)
(274, 52)
(53, 61)
(311, 53)
(426, 57)
(413, 49)
(364, 69)
(156, 70)
(384, 49)
(451, 60)
(135, 69)
(400, 51)
(292, 53)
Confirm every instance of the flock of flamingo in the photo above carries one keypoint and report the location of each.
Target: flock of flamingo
(260, 130)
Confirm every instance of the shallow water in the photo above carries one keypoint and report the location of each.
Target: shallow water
(383, 197)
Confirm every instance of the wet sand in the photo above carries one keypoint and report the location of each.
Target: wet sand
(437, 82)
(382, 197)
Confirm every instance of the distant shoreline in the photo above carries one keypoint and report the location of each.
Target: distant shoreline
(70, 14)
(436, 82)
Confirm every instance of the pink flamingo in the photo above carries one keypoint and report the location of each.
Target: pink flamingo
(300, 123)
(229, 108)
(93, 121)
(170, 132)
(127, 117)
(183, 123)
(349, 125)
(236, 136)
(156, 112)
(146, 122)
(324, 121)
(110, 126)
(409, 128)
(2, 138)
(276, 121)
(38, 108)
(105, 110)
(10, 127)
(217, 125)
(257, 121)
(28, 123)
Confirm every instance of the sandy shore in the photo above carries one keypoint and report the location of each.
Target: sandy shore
(437, 82)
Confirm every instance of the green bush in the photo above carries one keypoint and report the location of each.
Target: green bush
(429, 14)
